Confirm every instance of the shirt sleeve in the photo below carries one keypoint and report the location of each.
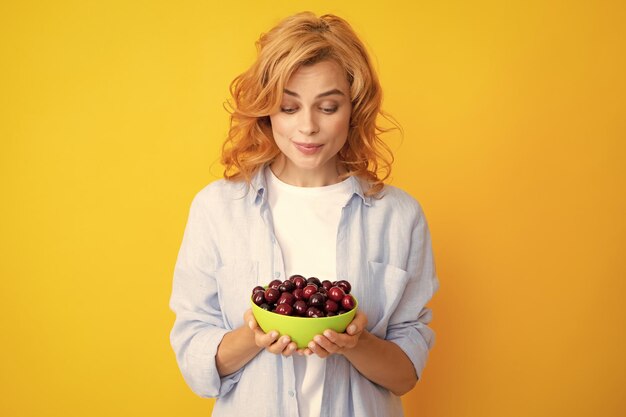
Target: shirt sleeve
(408, 325)
(199, 326)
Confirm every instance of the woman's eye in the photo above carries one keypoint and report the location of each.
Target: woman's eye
(329, 110)
(288, 110)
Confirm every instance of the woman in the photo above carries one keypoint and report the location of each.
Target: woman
(302, 195)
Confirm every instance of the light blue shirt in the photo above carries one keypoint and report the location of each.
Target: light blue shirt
(383, 249)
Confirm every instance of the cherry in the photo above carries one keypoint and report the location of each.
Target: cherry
(345, 286)
(287, 286)
(347, 302)
(257, 289)
(271, 295)
(284, 309)
(314, 312)
(316, 300)
(327, 284)
(336, 294)
(286, 298)
(275, 284)
(258, 297)
(300, 307)
(314, 280)
(298, 294)
(265, 306)
(293, 277)
(331, 306)
(299, 281)
(308, 291)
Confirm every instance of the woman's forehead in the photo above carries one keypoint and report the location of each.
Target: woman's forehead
(320, 78)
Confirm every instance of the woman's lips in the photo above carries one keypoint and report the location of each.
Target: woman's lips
(308, 148)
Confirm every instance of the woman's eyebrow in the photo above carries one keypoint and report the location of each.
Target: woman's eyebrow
(324, 94)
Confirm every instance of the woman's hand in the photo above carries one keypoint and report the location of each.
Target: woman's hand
(332, 342)
(269, 341)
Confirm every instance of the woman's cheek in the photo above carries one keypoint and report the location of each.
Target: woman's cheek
(282, 127)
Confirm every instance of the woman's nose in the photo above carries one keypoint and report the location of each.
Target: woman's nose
(308, 125)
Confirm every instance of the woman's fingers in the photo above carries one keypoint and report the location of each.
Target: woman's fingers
(290, 349)
(283, 346)
(317, 346)
(358, 324)
(332, 342)
(341, 340)
(328, 346)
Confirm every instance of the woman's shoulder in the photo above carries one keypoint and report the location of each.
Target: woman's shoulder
(222, 190)
(396, 200)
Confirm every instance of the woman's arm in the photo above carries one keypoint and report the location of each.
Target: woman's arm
(379, 360)
(239, 346)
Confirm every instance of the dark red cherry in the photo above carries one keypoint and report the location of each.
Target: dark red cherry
(317, 300)
(308, 291)
(257, 289)
(330, 314)
(275, 284)
(345, 286)
(331, 306)
(314, 280)
(322, 290)
(258, 298)
(336, 294)
(286, 298)
(284, 309)
(347, 302)
(299, 281)
(314, 312)
(327, 284)
(265, 306)
(300, 307)
(298, 294)
(286, 286)
(271, 295)
(293, 277)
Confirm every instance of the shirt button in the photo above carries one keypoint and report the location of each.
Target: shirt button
(277, 274)
(291, 393)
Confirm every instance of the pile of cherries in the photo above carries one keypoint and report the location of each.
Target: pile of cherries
(305, 297)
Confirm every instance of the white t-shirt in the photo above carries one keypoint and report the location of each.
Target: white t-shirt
(305, 223)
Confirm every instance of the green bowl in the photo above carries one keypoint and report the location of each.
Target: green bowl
(301, 329)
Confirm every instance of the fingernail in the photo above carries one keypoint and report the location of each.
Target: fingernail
(327, 334)
(311, 345)
(273, 335)
(250, 324)
(351, 328)
(285, 339)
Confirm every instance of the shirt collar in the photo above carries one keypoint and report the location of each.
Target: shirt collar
(259, 187)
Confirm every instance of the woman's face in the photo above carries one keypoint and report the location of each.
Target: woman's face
(312, 124)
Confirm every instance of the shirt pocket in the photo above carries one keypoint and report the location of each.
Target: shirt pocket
(235, 282)
(380, 294)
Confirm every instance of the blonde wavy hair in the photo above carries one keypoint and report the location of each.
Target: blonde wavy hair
(305, 39)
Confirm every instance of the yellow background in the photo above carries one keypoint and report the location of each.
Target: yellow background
(514, 119)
